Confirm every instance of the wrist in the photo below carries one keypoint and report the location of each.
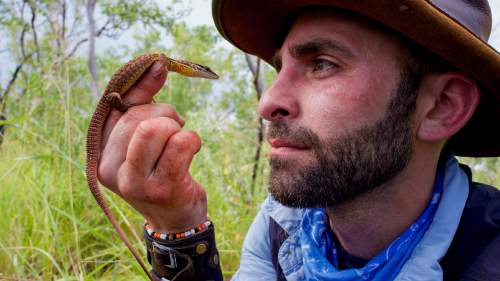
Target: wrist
(175, 226)
(159, 236)
(179, 220)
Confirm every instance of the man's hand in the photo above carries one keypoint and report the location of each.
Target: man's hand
(145, 159)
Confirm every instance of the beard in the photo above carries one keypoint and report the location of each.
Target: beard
(342, 168)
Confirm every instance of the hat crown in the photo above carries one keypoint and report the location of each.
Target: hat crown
(475, 15)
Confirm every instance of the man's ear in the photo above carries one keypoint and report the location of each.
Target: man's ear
(447, 102)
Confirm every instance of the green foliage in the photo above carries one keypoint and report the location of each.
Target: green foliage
(124, 14)
(51, 227)
(485, 169)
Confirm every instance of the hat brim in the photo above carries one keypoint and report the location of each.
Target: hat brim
(256, 27)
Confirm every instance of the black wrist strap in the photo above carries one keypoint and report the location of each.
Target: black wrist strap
(186, 259)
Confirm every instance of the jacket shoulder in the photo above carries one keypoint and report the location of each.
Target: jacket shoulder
(474, 242)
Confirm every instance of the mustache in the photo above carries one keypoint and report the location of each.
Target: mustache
(295, 134)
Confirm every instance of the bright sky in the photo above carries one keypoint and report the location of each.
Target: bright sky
(202, 13)
(495, 35)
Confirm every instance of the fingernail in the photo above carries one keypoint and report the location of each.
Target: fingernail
(158, 70)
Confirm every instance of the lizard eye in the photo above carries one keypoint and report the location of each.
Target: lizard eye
(206, 68)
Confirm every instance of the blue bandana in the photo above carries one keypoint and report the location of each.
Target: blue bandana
(320, 255)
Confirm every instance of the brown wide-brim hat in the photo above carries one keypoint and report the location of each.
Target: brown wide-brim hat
(455, 30)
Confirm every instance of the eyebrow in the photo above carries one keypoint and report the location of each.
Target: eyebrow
(314, 46)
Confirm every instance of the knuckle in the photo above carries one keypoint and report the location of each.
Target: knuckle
(126, 182)
(167, 109)
(133, 115)
(129, 192)
(180, 142)
(104, 174)
(196, 140)
(146, 129)
(126, 191)
(133, 169)
(167, 126)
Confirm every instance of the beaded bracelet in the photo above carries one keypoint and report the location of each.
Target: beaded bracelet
(174, 236)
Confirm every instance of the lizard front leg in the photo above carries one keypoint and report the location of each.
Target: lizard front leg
(115, 100)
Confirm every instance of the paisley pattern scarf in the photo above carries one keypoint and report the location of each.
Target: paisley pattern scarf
(320, 255)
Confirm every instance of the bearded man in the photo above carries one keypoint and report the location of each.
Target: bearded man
(371, 102)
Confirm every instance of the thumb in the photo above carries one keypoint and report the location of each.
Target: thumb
(148, 84)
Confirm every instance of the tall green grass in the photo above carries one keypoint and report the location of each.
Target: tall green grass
(50, 226)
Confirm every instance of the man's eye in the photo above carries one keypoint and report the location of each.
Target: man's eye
(322, 65)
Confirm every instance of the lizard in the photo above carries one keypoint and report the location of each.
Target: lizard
(119, 84)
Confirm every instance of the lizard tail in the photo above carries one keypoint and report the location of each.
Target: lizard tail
(93, 143)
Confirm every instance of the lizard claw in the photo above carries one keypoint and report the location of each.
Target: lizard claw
(116, 102)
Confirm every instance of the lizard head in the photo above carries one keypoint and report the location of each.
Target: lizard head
(192, 69)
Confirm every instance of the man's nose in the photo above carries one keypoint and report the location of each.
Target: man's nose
(279, 101)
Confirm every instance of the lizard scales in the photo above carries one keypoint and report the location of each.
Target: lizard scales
(119, 84)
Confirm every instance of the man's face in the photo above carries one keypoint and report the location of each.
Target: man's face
(340, 111)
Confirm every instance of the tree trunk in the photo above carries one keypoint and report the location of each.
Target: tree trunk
(33, 28)
(3, 98)
(257, 69)
(91, 60)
